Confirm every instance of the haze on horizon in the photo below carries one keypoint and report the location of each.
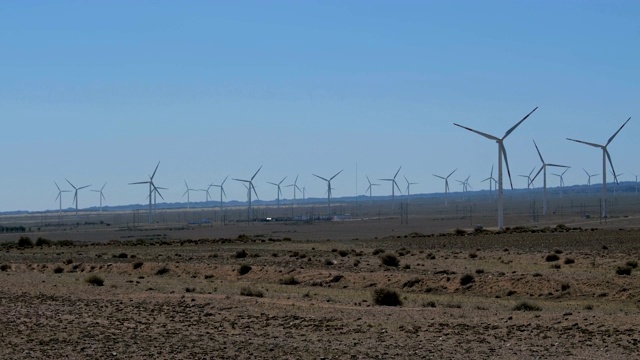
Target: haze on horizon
(100, 92)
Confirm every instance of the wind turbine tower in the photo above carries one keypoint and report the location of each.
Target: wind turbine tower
(502, 151)
(152, 188)
(370, 188)
(250, 187)
(446, 185)
(394, 185)
(589, 176)
(221, 186)
(279, 189)
(543, 168)
(75, 195)
(101, 195)
(605, 156)
(59, 197)
(328, 181)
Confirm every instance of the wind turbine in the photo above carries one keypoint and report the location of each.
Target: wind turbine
(221, 186)
(615, 185)
(561, 176)
(207, 194)
(59, 197)
(279, 190)
(394, 185)
(605, 156)
(370, 187)
(446, 185)
(543, 168)
(250, 187)
(295, 187)
(491, 181)
(101, 195)
(188, 192)
(328, 181)
(502, 151)
(152, 188)
(75, 195)
(589, 176)
(529, 180)
(409, 187)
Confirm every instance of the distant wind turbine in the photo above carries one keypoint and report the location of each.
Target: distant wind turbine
(221, 186)
(295, 187)
(279, 193)
(589, 176)
(328, 181)
(543, 168)
(101, 195)
(250, 187)
(491, 181)
(152, 189)
(561, 176)
(446, 185)
(59, 197)
(502, 152)
(394, 185)
(409, 187)
(605, 156)
(370, 188)
(188, 192)
(75, 195)
(528, 177)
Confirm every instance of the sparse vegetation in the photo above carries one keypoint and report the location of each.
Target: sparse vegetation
(551, 258)
(137, 265)
(241, 254)
(25, 242)
(43, 242)
(632, 264)
(289, 280)
(329, 262)
(244, 269)
(343, 253)
(389, 259)
(569, 261)
(386, 297)
(466, 279)
(623, 270)
(377, 251)
(5, 267)
(68, 261)
(94, 280)
(247, 291)
(163, 270)
(526, 306)
(58, 270)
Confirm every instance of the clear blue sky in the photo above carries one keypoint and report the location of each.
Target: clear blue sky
(101, 91)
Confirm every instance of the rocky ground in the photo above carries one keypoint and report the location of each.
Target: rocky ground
(256, 297)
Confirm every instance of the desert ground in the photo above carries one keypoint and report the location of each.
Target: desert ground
(551, 288)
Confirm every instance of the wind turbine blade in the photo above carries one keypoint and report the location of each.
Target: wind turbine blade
(506, 161)
(518, 124)
(274, 184)
(241, 180)
(57, 186)
(154, 171)
(338, 173)
(296, 186)
(254, 190)
(320, 177)
(225, 179)
(478, 132)
(57, 197)
(538, 150)
(257, 171)
(438, 176)
(538, 173)
(140, 182)
(586, 143)
(556, 165)
(83, 187)
(452, 173)
(616, 133)
(585, 171)
(102, 188)
(223, 193)
(296, 181)
(71, 184)
(281, 181)
(564, 172)
(615, 177)
(394, 176)
(185, 193)
(532, 170)
(397, 187)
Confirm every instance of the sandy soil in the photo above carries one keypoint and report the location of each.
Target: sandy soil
(196, 310)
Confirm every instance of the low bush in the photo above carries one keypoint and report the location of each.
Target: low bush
(247, 291)
(137, 265)
(289, 280)
(94, 280)
(58, 270)
(632, 264)
(623, 270)
(244, 269)
(386, 297)
(163, 270)
(378, 251)
(25, 241)
(241, 254)
(43, 242)
(466, 279)
(68, 261)
(552, 257)
(343, 253)
(5, 267)
(526, 306)
(568, 261)
(389, 260)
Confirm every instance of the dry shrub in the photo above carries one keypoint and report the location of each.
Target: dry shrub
(552, 257)
(623, 270)
(94, 280)
(137, 265)
(247, 291)
(163, 270)
(241, 254)
(378, 251)
(389, 260)
(386, 297)
(568, 261)
(244, 269)
(526, 306)
(289, 280)
(466, 279)
(5, 267)
(25, 241)
(58, 270)
(632, 264)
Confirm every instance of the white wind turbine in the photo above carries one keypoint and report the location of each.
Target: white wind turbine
(589, 176)
(409, 187)
(221, 186)
(605, 156)
(491, 181)
(250, 186)
(152, 189)
(101, 195)
(543, 169)
(75, 195)
(615, 185)
(446, 185)
(59, 197)
(501, 152)
(394, 185)
(370, 188)
(188, 192)
(295, 187)
(328, 181)
(561, 176)
(529, 179)
(279, 189)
